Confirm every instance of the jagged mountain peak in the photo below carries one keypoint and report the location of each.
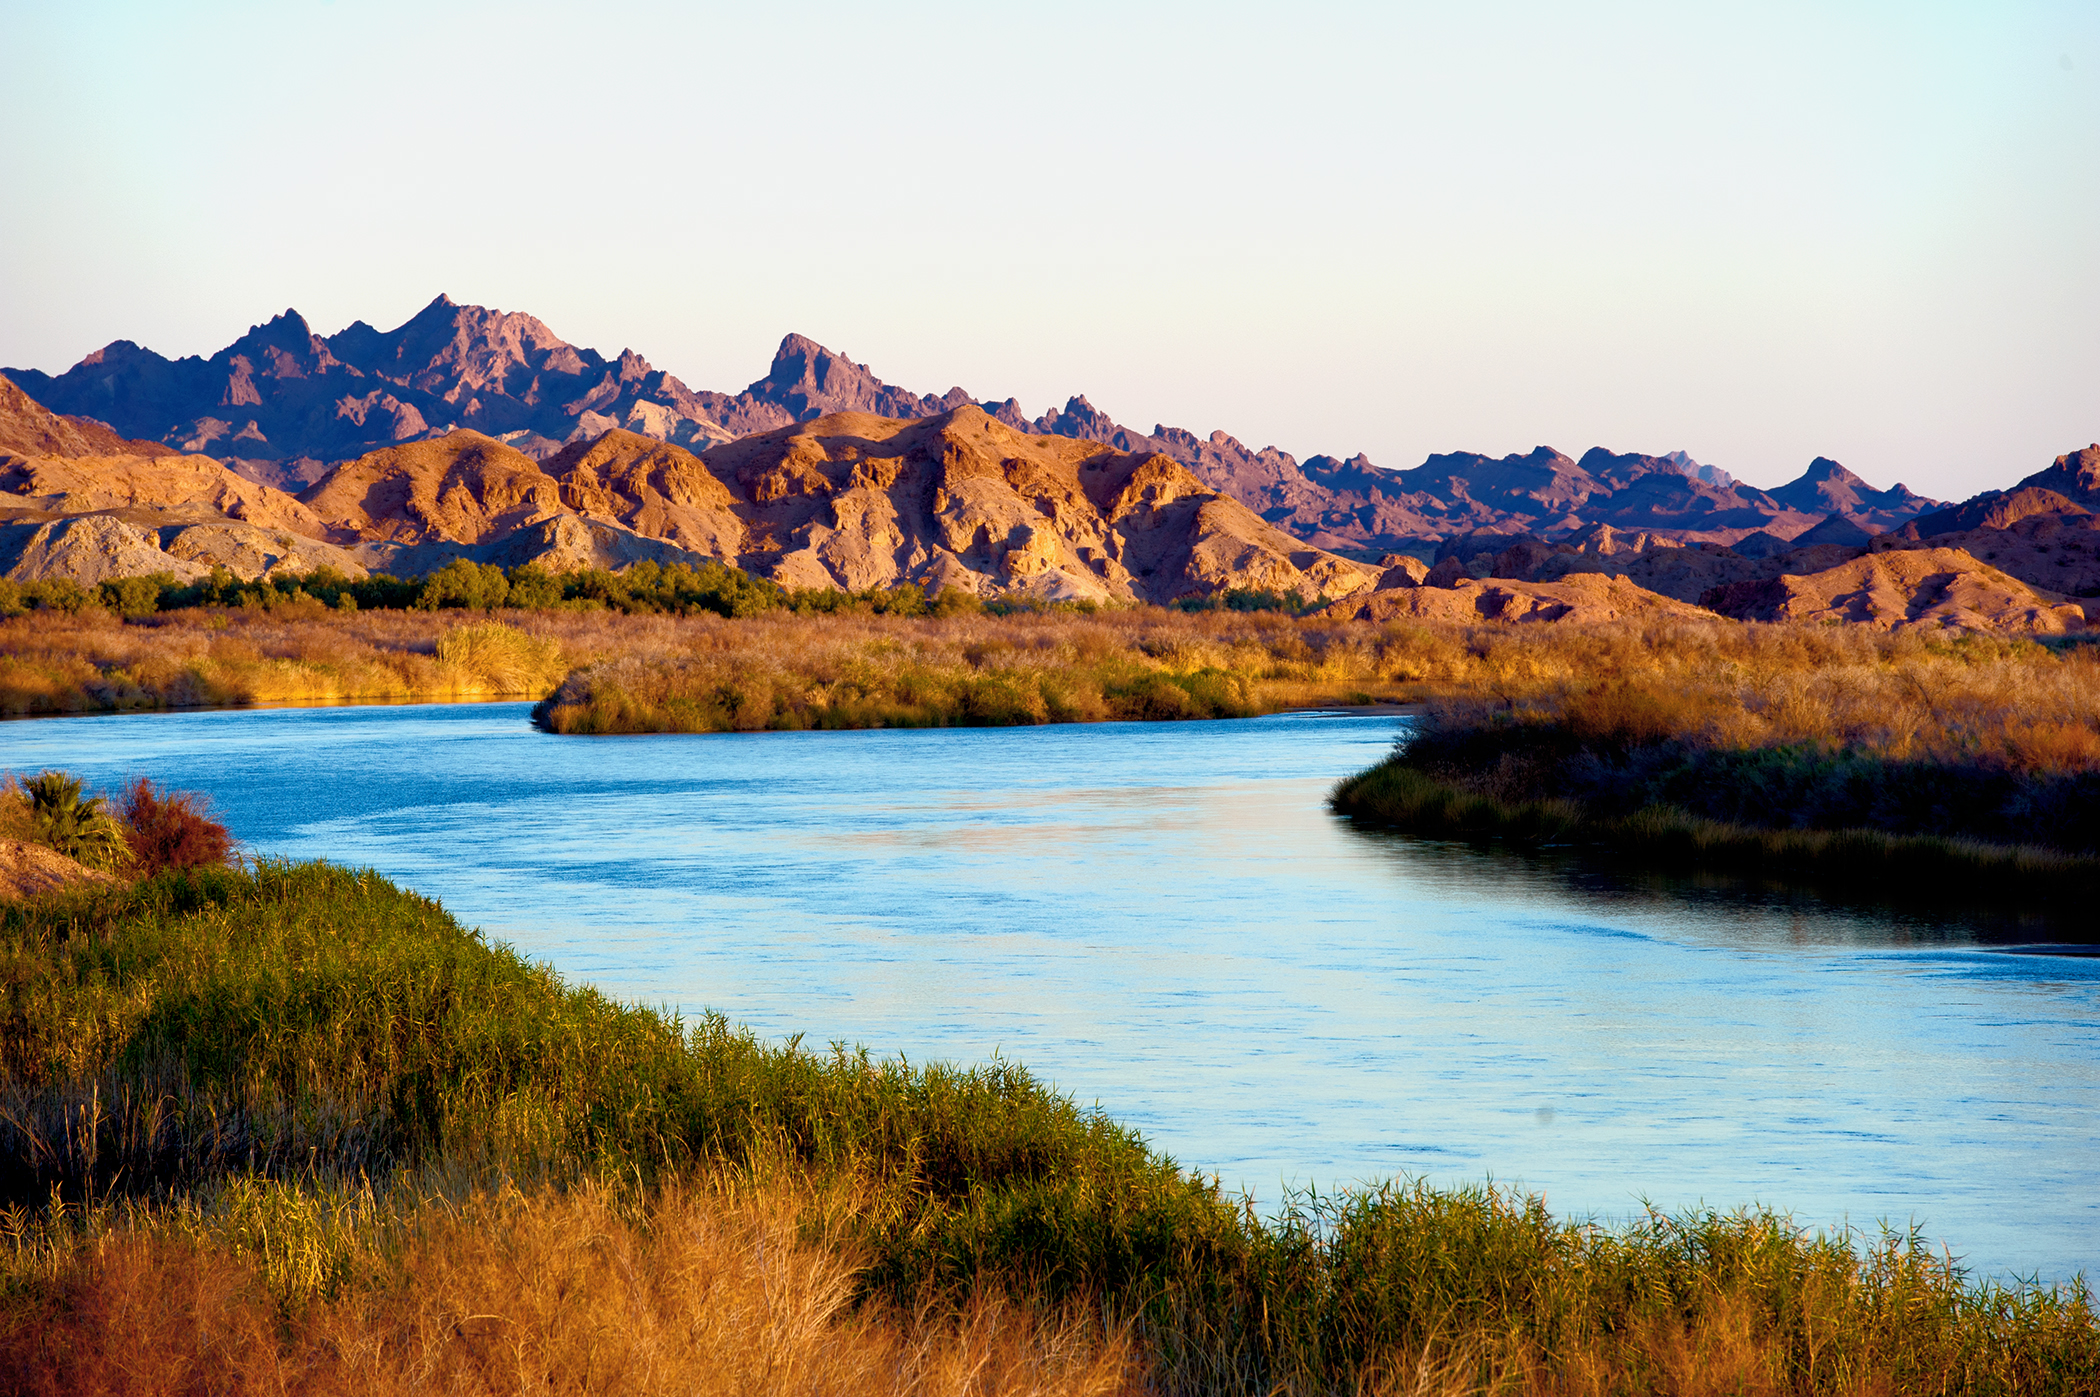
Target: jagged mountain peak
(509, 375)
(1823, 468)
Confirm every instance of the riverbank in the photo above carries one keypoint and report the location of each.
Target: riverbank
(608, 671)
(1956, 770)
(96, 662)
(849, 663)
(315, 1123)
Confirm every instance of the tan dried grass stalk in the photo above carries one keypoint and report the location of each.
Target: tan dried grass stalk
(710, 1291)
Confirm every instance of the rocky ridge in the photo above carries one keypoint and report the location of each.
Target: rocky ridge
(849, 500)
(281, 403)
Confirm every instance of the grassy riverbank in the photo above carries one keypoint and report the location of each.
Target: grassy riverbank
(1929, 769)
(846, 660)
(659, 672)
(300, 1126)
(96, 662)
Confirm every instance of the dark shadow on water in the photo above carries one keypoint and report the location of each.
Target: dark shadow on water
(1846, 914)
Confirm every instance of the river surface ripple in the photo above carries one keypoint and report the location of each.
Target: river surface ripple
(1165, 919)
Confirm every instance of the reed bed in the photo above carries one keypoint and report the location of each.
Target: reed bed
(604, 670)
(660, 672)
(1968, 766)
(292, 1127)
(709, 1291)
(94, 661)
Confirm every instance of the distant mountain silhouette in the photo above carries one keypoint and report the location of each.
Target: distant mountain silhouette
(280, 404)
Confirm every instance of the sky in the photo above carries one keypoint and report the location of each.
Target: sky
(1759, 233)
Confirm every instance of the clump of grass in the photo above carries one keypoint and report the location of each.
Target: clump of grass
(56, 662)
(501, 659)
(62, 817)
(1020, 667)
(692, 1291)
(882, 683)
(348, 1113)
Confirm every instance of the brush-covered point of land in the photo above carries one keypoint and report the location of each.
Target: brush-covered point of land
(863, 672)
(94, 661)
(291, 1127)
(1840, 752)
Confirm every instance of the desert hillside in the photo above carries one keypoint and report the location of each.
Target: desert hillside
(281, 403)
(471, 432)
(849, 500)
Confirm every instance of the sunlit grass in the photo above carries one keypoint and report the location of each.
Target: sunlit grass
(1916, 768)
(302, 1119)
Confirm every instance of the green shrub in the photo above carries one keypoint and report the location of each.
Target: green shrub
(463, 583)
(76, 825)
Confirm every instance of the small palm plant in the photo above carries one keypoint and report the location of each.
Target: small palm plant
(78, 826)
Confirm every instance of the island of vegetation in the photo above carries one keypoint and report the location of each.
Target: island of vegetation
(1955, 767)
(288, 1128)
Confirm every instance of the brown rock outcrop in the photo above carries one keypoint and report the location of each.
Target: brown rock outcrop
(1578, 599)
(2057, 550)
(28, 428)
(1688, 573)
(1401, 571)
(652, 488)
(1936, 588)
(1448, 572)
(1993, 511)
(966, 500)
(461, 488)
(196, 488)
(88, 548)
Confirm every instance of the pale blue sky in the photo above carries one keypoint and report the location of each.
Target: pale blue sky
(1759, 233)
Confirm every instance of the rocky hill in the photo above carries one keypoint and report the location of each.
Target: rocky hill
(28, 428)
(281, 404)
(1936, 588)
(848, 499)
(78, 501)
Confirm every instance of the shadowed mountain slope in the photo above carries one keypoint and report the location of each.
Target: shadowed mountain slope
(28, 428)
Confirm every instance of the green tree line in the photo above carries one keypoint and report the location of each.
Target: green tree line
(646, 588)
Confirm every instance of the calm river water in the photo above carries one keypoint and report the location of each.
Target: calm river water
(1165, 919)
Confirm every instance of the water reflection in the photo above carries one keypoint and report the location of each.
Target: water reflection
(1166, 919)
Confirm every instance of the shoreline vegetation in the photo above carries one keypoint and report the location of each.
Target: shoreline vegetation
(287, 1127)
(671, 650)
(1962, 769)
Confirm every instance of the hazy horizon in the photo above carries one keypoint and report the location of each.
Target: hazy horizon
(1757, 235)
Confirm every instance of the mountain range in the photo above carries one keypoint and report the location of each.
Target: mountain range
(281, 404)
(473, 433)
(849, 500)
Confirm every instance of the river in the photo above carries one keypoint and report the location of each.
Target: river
(1164, 918)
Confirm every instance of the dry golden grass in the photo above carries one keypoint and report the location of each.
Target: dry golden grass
(743, 1287)
(1904, 696)
(2000, 702)
(1894, 763)
(51, 662)
(705, 1292)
